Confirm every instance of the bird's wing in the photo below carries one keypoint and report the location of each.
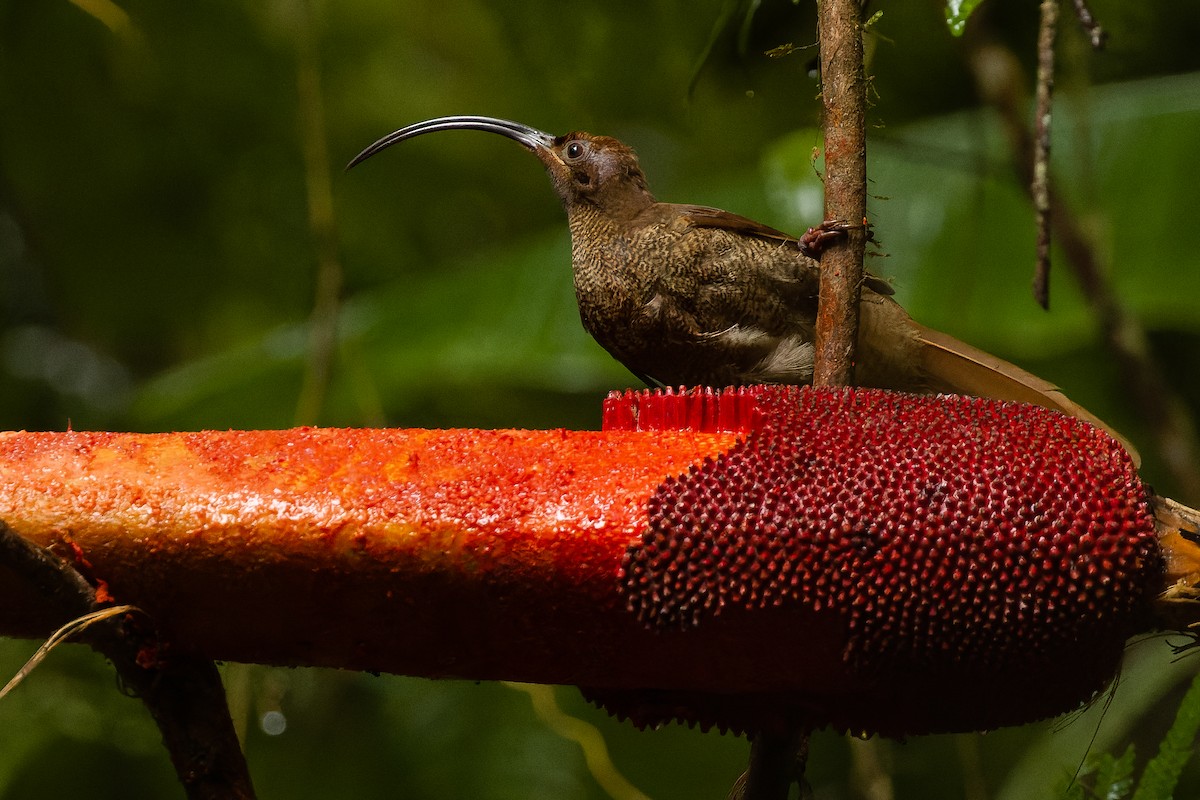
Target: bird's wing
(958, 367)
(708, 217)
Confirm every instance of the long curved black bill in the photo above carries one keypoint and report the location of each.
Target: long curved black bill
(530, 137)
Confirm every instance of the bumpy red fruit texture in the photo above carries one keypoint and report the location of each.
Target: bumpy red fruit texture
(988, 556)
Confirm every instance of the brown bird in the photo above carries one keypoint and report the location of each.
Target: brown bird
(692, 295)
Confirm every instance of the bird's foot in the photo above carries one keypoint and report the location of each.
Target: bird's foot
(816, 239)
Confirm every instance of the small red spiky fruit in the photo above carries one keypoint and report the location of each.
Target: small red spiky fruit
(990, 557)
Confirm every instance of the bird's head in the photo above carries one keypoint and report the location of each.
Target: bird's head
(586, 170)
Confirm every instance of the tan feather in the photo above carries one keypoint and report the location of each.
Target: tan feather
(954, 366)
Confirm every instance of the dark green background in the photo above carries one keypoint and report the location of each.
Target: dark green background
(158, 271)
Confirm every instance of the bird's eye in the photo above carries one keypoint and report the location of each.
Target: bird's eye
(574, 151)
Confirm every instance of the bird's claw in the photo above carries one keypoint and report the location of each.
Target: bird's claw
(816, 238)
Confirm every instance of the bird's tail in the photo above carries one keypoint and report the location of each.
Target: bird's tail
(957, 367)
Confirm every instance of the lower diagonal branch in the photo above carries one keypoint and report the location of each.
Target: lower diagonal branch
(182, 692)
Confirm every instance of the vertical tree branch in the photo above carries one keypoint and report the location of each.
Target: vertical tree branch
(1044, 102)
(998, 75)
(844, 95)
(1047, 35)
(777, 759)
(1096, 34)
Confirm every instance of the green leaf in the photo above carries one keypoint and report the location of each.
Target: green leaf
(1102, 777)
(1162, 773)
(1114, 776)
(957, 12)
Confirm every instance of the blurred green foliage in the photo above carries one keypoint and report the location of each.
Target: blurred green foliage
(158, 270)
(1112, 778)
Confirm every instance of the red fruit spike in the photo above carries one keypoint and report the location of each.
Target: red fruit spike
(701, 409)
(976, 545)
(860, 559)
